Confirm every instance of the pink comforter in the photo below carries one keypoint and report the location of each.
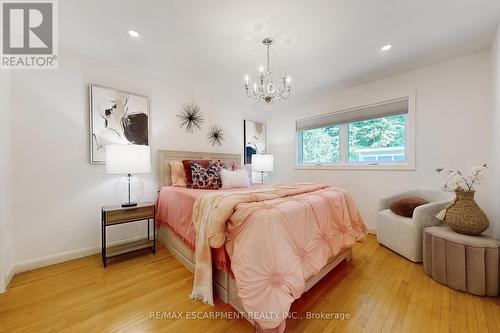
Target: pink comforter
(277, 239)
(175, 210)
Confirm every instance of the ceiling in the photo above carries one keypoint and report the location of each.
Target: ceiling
(321, 43)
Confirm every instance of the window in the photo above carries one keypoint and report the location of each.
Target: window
(320, 145)
(377, 140)
(371, 136)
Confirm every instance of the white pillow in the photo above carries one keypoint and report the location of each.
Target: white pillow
(236, 178)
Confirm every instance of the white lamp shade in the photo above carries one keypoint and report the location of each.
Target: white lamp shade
(264, 163)
(124, 159)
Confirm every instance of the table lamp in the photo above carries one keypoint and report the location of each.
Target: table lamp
(128, 160)
(262, 163)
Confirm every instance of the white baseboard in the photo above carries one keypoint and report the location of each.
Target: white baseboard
(372, 231)
(28, 265)
(8, 277)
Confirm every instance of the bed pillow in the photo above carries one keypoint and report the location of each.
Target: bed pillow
(237, 166)
(234, 179)
(206, 178)
(177, 174)
(187, 169)
(232, 166)
(406, 206)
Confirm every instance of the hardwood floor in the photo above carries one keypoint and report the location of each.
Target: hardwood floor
(380, 291)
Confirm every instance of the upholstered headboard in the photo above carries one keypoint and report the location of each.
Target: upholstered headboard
(165, 156)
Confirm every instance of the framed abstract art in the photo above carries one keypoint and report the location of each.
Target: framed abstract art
(116, 117)
(254, 136)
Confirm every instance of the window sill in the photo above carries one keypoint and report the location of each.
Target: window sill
(386, 167)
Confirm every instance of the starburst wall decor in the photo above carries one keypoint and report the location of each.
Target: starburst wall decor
(191, 117)
(215, 135)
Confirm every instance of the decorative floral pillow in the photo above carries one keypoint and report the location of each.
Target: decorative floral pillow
(187, 169)
(206, 178)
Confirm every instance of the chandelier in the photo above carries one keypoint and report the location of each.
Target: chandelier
(264, 88)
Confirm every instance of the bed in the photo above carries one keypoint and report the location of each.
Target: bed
(177, 234)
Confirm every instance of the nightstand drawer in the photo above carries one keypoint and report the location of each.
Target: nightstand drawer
(130, 214)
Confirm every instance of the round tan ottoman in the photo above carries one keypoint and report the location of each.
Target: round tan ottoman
(466, 263)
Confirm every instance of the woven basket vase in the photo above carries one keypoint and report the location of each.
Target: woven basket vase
(465, 216)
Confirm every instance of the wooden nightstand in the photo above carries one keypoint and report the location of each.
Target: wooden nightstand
(113, 215)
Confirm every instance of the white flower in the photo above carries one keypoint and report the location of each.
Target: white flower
(456, 179)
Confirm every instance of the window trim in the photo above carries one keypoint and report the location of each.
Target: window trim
(410, 142)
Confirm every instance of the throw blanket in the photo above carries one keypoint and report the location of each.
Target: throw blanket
(277, 238)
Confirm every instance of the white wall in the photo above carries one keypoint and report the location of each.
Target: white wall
(495, 52)
(57, 194)
(5, 151)
(453, 115)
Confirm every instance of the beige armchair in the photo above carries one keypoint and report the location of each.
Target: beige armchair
(402, 234)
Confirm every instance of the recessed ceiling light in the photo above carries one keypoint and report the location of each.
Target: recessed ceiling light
(133, 33)
(386, 47)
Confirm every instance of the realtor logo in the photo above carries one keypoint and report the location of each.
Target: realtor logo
(29, 34)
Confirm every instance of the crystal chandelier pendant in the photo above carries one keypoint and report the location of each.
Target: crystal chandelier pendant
(264, 88)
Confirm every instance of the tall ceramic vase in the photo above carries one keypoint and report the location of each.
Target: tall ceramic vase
(465, 216)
